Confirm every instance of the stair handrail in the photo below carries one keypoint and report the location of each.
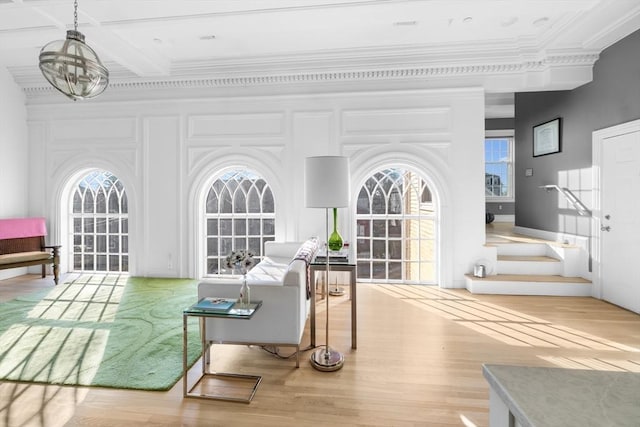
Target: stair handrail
(580, 207)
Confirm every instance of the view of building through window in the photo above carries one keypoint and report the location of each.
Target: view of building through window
(396, 224)
(99, 224)
(396, 229)
(239, 214)
(498, 158)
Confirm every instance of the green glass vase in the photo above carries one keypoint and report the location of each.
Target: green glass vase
(335, 239)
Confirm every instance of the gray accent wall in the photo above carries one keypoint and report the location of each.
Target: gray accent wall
(499, 124)
(613, 97)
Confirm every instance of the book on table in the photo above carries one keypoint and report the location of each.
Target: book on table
(215, 304)
(341, 256)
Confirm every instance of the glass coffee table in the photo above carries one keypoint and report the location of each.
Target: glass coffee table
(233, 313)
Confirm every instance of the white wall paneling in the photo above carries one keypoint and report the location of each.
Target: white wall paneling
(222, 141)
(14, 154)
(112, 143)
(162, 243)
(313, 135)
(14, 148)
(113, 131)
(235, 125)
(394, 121)
(36, 178)
(466, 175)
(173, 149)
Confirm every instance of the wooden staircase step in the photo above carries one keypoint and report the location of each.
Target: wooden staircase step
(523, 249)
(529, 264)
(529, 284)
(530, 278)
(532, 258)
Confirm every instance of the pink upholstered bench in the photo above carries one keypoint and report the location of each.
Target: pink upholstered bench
(22, 245)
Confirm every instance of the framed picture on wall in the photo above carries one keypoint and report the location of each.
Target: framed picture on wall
(547, 137)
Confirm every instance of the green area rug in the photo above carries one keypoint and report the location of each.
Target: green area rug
(99, 330)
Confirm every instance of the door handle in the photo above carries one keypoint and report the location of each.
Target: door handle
(605, 228)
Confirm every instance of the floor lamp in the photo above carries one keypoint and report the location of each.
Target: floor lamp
(326, 185)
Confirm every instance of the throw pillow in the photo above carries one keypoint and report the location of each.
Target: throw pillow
(307, 251)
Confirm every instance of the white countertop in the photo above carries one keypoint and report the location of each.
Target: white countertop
(540, 397)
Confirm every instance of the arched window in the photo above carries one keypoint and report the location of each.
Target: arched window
(396, 229)
(100, 224)
(239, 214)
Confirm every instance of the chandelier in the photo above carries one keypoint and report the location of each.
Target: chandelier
(72, 67)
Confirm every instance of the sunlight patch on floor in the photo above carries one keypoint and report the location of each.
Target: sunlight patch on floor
(509, 326)
(57, 406)
(77, 351)
(62, 349)
(89, 298)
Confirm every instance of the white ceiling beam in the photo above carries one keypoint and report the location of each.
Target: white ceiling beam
(106, 43)
(111, 47)
(143, 63)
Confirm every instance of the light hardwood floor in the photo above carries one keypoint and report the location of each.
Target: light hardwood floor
(418, 363)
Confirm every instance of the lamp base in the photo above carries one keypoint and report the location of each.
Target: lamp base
(326, 360)
(336, 291)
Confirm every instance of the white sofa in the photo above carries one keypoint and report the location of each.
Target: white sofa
(279, 280)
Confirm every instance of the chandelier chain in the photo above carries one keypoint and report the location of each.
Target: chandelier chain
(75, 15)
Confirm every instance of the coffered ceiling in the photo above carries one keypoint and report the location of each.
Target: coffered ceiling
(501, 45)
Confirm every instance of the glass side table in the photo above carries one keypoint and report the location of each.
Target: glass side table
(187, 391)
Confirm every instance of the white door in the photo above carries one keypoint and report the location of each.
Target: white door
(619, 219)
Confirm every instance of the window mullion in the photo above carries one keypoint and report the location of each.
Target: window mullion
(237, 181)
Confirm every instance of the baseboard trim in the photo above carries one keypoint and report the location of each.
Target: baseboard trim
(505, 218)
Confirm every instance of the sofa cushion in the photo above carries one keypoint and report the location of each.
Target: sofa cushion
(287, 250)
(267, 272)
(24, 257)
(279, 269)
(17, 228)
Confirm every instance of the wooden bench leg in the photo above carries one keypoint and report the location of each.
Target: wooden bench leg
(56, 264)
(56, 273)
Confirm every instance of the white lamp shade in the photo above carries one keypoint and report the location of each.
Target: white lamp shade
(327, 182)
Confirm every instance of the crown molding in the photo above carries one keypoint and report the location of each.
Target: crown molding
(512, 75)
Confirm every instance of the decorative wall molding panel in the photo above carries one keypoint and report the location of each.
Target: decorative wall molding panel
(235, 125)
(396, 121)
(63, 159)
(113, 130)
